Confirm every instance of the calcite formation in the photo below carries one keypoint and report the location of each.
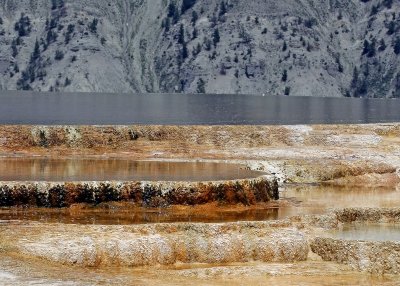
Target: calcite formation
(379, 257)
(162, 244)
(349, 215)
(285, 241)
(373, 257)
(148, 194)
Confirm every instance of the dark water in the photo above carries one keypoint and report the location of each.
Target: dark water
(209, 109)
(56, 170)
(125, 214)
(369, 232)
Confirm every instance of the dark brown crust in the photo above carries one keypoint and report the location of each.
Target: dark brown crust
(148, 194)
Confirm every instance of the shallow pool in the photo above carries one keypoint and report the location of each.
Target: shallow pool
(65, 170)
(369, 232)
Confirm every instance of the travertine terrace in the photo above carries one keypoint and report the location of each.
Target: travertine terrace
(296, 246)
(301, 154)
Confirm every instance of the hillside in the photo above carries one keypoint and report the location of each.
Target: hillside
(286, 47)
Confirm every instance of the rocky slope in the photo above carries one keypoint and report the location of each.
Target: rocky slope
(287, 47)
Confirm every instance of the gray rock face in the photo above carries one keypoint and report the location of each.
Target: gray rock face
(302, 47)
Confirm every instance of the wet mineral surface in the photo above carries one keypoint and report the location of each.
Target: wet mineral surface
(91, 169)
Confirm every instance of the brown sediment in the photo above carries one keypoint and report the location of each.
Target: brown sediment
(131, 138)
(151, 194)
(17, 272)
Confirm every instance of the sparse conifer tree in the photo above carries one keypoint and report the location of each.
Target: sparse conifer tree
(216, 37)
(201, 86)
(284, 76)
(181, 35)
(36, 52)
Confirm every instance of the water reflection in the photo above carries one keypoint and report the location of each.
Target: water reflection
(295, 200)
(40, 169)
(125, 215)
(369, 232)
(321, 198)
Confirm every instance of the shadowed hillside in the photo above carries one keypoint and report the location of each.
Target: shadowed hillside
(287, 47)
